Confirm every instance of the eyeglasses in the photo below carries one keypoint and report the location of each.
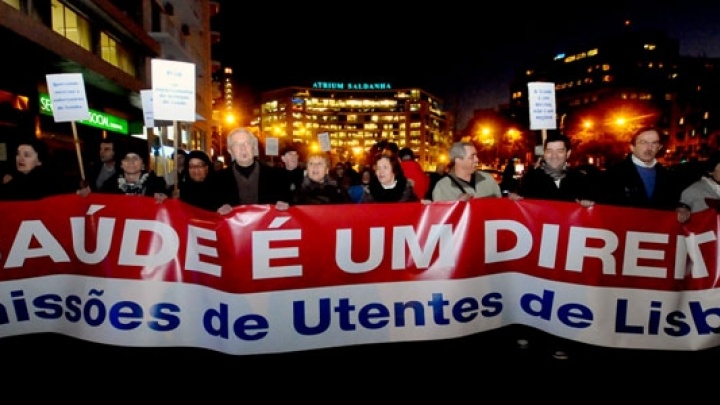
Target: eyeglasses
(198, 166)
(246, 145)
(654, 144)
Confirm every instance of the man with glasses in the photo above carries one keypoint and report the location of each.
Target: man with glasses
(640, 180)
(247, 180)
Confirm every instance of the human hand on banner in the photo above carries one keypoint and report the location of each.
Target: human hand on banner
(282, 206)
(683, 214)
(83, 191)
(224, 209)
(515, 196)
(586, 203)
(160, 197)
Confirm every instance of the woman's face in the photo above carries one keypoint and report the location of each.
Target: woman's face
(197, 169)
(132, 163)
(26, 159)
(317, 168)
(366, 177)
(384, 171)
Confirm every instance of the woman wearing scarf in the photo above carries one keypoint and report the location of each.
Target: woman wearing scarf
(389, 184)
(133, 178)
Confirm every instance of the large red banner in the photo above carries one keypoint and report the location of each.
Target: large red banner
(129, 271)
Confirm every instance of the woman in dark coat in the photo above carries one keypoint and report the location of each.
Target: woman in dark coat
(389, 183)
(32, 178)
(317, 187)
(200, 187)
(134, 179)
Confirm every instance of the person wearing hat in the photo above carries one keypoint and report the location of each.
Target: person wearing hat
(200, 188)
(291, 160)
(704, 193)
(134, 178)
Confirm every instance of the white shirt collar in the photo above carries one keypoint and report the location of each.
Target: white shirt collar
(643, 164)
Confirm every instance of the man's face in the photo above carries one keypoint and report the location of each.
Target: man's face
(469, 162)
(181, 160)
(241, 149)
(107, 153)
(555, 154)
(646, 146)
(290, 159)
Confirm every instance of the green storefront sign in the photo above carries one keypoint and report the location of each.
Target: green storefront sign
(97, 118)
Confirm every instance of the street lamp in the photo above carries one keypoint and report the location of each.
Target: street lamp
(229, 118)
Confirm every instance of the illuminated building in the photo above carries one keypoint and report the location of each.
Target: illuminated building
(356, 116)
(111, 43)
(617, 84)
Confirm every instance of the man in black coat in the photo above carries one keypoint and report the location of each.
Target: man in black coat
(639, 180)
(247, 180)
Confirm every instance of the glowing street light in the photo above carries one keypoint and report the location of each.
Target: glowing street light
(230, 118)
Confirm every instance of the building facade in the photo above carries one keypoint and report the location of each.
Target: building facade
(111, 43)
(356, 116)
(607, 90)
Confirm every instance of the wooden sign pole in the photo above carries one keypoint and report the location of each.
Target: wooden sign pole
(79, 153)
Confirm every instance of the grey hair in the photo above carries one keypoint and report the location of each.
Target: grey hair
(241, 130)
(457, 150)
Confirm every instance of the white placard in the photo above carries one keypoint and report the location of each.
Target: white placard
(147, 105)
(324, 139)
(67, 95)
(272, 146)
(173, 87)
(541, 99)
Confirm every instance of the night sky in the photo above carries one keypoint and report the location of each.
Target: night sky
(464, 54)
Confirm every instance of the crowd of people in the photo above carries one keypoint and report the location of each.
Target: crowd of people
(394, 175)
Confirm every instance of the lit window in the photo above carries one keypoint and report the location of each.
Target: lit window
(13, 3)
(69, 24)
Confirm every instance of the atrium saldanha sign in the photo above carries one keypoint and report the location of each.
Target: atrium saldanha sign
(351, 86)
